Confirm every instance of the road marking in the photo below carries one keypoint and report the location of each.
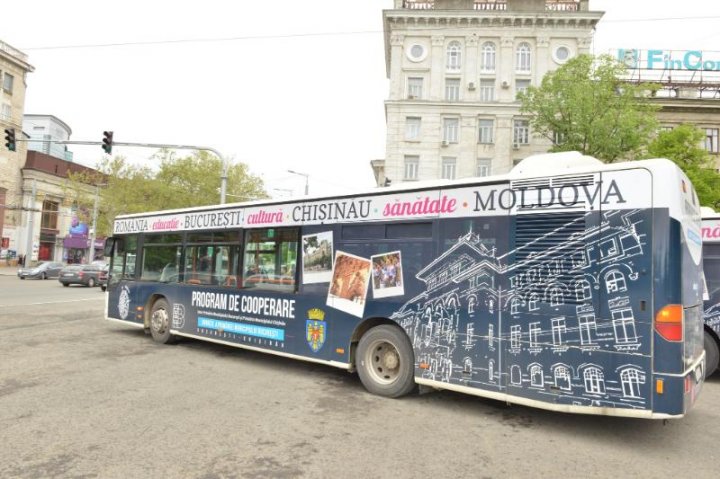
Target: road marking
(48, 302)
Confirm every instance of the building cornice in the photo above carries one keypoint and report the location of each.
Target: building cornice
(12, 55)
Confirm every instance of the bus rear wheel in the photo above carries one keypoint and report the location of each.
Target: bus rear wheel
(385, 361)
(712, 355)
(160, 322)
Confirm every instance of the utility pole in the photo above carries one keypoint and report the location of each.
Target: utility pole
(30, 225)
(93, 235)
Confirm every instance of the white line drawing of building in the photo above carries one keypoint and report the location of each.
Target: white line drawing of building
(501, 321)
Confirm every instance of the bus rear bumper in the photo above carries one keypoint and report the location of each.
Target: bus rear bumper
(669, 388)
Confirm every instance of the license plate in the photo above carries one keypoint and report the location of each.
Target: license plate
(68, 274)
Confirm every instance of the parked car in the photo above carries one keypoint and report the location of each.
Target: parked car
(44, 270)
(103, 278)
(84, 274)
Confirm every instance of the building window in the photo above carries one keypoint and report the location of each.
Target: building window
(521, 86)
(415, 87)
(558, 330)
(711, 140)
(485, 131)
(631, 380)
(491, 335)
(523, 58)
(615, 282)
(587, 327)
(483, 167)
(536, 376)
(583, 290)
(452, 89)
(561, 54)
(453, 56)
(6, 112)
(534, 331)
(515, 306)
(451, 130)
(50, 211)
(608, 248)
(556, 297)
(562, 378)
(521, 132)
(487, 90)
(412, 163)
(412, 128)
(8, 81)
(624, 326)
(487, 58)
(515, 332)
(594, 381)
(448, 168)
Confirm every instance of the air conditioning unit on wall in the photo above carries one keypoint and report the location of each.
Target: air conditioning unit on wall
(444, 143)
(471, 85)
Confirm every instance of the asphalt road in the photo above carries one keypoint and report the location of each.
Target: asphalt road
(83, 398)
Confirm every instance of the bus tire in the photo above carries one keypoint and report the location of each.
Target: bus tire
(385, 361)
(712, 354)
(160, 322)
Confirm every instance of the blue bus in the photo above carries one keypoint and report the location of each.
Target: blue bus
(711, 269)
(567, 284)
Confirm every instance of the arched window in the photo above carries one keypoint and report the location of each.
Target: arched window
(453, 56)
(594, 381)
(631, 380)
(491, 370)
(471, 304)
(583, 290)
(536, 376)
(533, 302)
(562, 378)
(615, 282)
(556, 296)
(487, 57)
(523, 58)
(515, 306)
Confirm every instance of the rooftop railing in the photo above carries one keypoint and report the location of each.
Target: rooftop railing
(500, 5)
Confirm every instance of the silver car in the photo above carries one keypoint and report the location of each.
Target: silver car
(44, 270)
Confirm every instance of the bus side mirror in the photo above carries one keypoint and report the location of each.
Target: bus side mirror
(109, 243)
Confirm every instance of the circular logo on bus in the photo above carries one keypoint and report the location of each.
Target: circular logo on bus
(124, 302)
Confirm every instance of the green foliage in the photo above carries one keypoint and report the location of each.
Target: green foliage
(179, 182)
(682, 145)
(583, 106)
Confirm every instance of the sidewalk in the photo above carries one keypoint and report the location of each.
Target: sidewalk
(8, 270)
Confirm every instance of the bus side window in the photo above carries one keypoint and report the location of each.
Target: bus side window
(270, 259)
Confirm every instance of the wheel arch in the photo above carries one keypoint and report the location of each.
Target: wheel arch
(363, 328)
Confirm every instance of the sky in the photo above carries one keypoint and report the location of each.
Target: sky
(279, 85)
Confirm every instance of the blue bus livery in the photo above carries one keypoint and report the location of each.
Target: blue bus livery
(577, 291)
(711, 269)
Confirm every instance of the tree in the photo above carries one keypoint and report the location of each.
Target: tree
(682, 145)
(584, 106)
(178, 182)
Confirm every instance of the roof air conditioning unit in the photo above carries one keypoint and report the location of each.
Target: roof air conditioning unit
(471, 85)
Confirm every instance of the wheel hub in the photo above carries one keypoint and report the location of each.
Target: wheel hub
(159, 321)
(391, 360)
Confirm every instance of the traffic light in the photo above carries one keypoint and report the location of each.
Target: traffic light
(10, 143)
(107, 142)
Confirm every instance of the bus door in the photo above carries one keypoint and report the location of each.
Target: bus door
(121, 286)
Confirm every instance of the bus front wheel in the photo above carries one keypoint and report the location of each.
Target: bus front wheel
(712, 354)
(385, 361)
(160, 322)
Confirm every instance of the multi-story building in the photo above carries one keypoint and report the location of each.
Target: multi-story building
(455, 69)
(14, 68)
(45, 132)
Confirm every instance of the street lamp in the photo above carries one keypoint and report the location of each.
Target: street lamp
(306, 179)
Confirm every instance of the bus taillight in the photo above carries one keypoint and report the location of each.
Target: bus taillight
(669, 322)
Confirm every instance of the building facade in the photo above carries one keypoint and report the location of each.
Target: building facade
(14, 68)
(455, 69)
(44, 132)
